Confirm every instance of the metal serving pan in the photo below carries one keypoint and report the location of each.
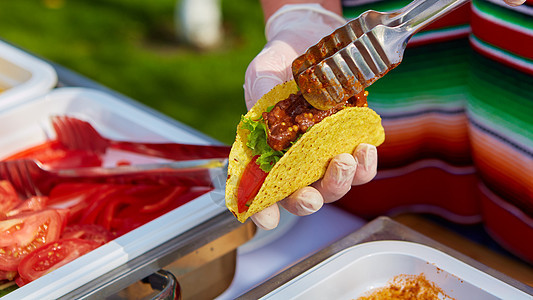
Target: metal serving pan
(375, 254)
(28, 124)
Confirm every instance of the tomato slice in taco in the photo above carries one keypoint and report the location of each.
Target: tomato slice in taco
(251, 180)
(283, 144)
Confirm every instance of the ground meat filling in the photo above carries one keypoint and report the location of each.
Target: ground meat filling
(293, 116)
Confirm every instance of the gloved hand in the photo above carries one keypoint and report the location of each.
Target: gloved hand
(515, 2)
(289, 32)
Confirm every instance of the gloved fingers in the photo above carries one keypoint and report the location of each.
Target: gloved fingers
(338, 178)
(268, 218)
(515, 2)
(343, 171)
(303, 202)
(367, 163)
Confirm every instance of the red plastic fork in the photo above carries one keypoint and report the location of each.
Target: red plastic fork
(78, 134)
(30, 178)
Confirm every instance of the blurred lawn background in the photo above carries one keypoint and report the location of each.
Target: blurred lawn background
(131, 46)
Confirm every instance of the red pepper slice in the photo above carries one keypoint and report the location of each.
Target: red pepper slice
(251, 181)
(162, 203)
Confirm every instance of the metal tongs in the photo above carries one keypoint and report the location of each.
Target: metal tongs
(357, 54)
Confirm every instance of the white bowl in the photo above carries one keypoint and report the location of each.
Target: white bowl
(29, 124)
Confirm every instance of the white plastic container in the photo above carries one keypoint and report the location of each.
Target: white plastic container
(360, 269)
(22, 76)
(29, 124)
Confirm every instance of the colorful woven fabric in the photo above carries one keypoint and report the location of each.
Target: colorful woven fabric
(458, 118)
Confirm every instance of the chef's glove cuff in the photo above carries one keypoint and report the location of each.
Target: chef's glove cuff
(307, 20)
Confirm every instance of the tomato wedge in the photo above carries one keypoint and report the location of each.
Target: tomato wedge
(8, 197)
(35, 203)
(251, 180)
(52, 256)
(8, 275)
(21, 234)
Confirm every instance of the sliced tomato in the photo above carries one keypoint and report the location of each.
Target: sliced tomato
(20, 281)
(52, 256)
(35, 203)
(63, 217)
(8, 197)
(251, 180)
(90, 232)
(23, 233)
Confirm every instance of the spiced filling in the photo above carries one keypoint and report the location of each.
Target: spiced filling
(293, 116)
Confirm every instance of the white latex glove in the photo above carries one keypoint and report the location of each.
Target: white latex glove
(290, 31)
(515, 2)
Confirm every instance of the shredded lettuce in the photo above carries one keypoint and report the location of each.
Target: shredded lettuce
(257, 142)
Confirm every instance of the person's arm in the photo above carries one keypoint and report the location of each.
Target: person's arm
(271, 6)
(515, 2)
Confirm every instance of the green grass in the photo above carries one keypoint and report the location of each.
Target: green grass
(131, 47)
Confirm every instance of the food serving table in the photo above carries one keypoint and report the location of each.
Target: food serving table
(221, 237)
(380, 229)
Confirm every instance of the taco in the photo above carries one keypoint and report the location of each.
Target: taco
(284, 144)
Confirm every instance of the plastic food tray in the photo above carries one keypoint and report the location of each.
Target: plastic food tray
(358, 270)
(29, 124)
(22, 76)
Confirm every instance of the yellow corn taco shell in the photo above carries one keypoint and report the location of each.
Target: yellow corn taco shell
(306, 161)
